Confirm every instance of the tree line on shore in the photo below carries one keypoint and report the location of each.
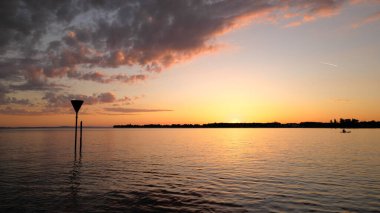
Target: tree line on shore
(342, 123)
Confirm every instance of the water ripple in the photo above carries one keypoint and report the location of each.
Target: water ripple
(210, 170)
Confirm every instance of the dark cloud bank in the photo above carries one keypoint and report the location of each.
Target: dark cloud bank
(44, 40)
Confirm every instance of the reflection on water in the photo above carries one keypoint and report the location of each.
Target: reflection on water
(187, 170)
(75, 182)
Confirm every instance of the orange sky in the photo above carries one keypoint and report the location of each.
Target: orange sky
(194, 62)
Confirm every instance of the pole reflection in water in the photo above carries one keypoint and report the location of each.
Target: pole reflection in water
(75, 181)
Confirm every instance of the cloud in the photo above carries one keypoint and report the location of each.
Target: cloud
(15, 111)
(329, 64)
(12, 100)
(36, 80)
(44, 41)
(307, 11)
(106, 97)
(342, 100)
(4, 99)
(134, 110)
(60, 100)
(102, 78)
(369, 19)
(151, 34)
(58, 103)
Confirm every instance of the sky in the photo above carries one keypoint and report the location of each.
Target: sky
(170, 61)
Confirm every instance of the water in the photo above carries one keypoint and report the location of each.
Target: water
(190, 170)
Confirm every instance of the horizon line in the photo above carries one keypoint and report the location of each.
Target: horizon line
(332, 121)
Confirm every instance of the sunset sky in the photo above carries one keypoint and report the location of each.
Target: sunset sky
(182, 61)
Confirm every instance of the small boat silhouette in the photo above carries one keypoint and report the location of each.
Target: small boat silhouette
(345, 131)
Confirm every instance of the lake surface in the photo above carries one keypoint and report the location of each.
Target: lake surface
(190, 170)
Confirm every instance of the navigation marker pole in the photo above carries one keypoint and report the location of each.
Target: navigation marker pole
(80, 139)
(76, 105)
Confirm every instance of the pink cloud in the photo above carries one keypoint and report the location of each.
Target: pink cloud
(152, 35)
(369, 19)
(156, 35)
(308, 11)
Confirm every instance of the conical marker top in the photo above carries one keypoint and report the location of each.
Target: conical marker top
(76, 104)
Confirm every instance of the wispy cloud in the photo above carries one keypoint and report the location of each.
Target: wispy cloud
(369, 19)
(60, 103)
(5, 100)
(103, 78)
(17, 111)
(342, 100)
(329, 64)
(62, 100)
(308, 11)
(134, 110)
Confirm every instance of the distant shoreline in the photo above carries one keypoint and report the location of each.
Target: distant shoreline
(343, 123)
